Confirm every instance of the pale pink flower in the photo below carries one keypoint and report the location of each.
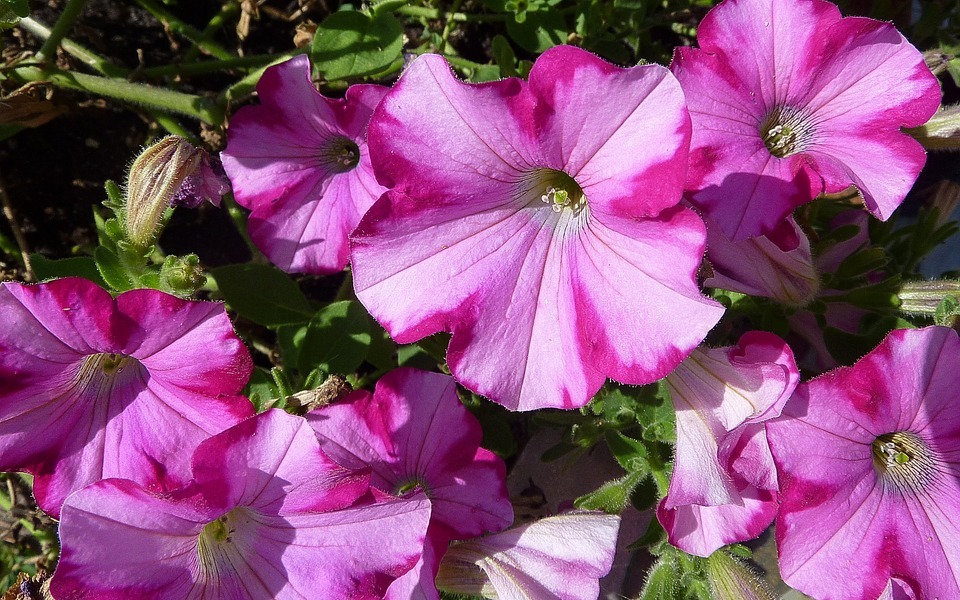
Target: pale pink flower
(93, 387)
(538, 222)
(867, 458)
(724, 483)
(777, 265)
(561, 557)
(268, 516)
(789, 100)
(299, 161)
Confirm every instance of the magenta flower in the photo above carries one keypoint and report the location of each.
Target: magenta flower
(789, 100)
(413, 433)
(92, 387)
(724, 481)
(538, 222)
(299, 161)
(562, 557)
(867, 458)
(268, 516)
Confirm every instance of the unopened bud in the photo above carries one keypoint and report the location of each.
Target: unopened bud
(172, 171)
(939, 299)
(942, 131)
(731, 579)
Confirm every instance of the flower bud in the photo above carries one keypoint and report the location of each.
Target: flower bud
(170, 172)
(938, 299)
(942, 131)
(731, 579)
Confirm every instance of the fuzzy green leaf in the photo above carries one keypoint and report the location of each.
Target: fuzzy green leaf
(352, 44)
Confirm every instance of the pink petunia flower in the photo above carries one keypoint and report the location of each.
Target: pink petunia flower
(538, 222)
(867, 458)
(92, 387)
(777, 265)
(299, 161)
(724, 483)
(413, 432)
(789, 100)
(562, 557)
(267, 516)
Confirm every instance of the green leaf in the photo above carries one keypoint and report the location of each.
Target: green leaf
(337, 339)
(663, 582)
(504, 57)
(11, 11)
(612, 497)
(261, 389)
(351, 44)
(632, 454)
(263, 294)
(78, 266)
(290, 338)
(539, 31)
(947, 311)
(383, 351)
(112, 270)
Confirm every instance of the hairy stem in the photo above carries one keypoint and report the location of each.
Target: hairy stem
(69, 15)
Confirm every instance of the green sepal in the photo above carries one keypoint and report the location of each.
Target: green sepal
(612, 497)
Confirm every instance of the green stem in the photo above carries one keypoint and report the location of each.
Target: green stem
(66, 20)
(433, 13)
(74, 49)
(186, 30)
(213, 66)
(203, 109)
(448, 26)
(240, 222)
(219, 20)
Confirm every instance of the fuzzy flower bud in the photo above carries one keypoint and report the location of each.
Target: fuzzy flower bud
(938, 299)
(731, 579)
(170, 172)
(942, 131)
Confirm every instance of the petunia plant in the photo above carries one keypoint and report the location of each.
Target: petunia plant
(447, 301)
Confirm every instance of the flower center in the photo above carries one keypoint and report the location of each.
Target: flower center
(904, 459)
(102, 367)
(785, 131)
(216, 542)
(554, 188)
(410, 485)
(340, 154)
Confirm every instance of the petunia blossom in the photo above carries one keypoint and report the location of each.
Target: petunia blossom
(536, 221)
(724, 483)
(560, 557)
(299, 162)
(790, 100)
(777, 265)
(267, 516)
(867, 458)
(94, 387)
(413, 432)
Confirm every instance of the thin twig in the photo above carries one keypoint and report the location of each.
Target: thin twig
(17, 233)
